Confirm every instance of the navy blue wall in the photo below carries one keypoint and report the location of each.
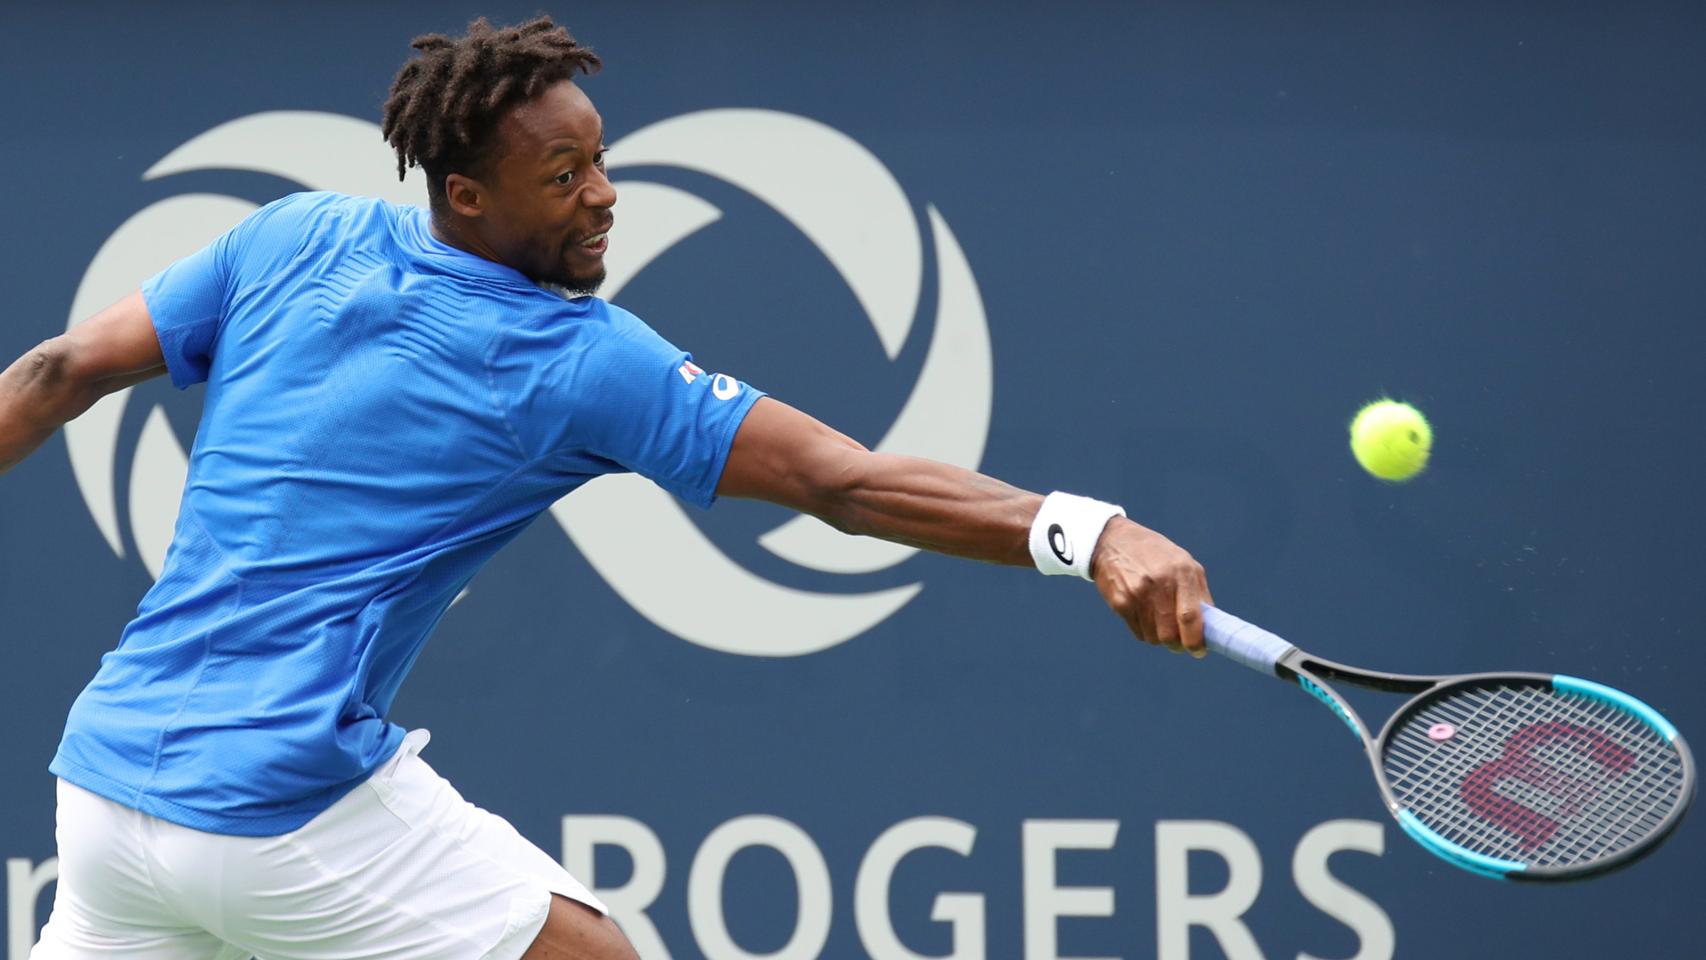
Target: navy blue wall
(1203, 234)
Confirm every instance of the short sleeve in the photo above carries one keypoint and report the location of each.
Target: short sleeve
(189, 299)
(646, 405)
(186, 302)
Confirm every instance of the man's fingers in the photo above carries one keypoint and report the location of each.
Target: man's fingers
(1191, 602)
(1138, 616)
(1190, 623)
(1161, 602)
(1156, 588)
(1165, 616)
(1141, 623)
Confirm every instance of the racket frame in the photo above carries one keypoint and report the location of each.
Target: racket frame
(1315, 675)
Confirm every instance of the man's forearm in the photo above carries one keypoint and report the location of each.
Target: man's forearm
(37, 397)
(935, 506)
(783, 456)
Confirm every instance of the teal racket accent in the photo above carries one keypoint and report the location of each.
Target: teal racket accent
(1459, 856)
(1320, 693)
(1617, 698)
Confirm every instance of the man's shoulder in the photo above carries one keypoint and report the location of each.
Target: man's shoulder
(325, 208)
(551, 308)
(619, 338)
(330, 199)
(569, 332)
(320, 228)
(614, 328)
(613, 320)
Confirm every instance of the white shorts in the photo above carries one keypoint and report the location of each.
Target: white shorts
(401, 868)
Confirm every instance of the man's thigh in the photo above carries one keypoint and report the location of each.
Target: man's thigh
(574, 931)
(106, 903)
(71, 937)
(402, 868)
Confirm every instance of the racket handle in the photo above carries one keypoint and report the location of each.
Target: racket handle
(1242, 641)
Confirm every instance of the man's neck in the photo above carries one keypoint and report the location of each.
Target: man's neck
(447, 231)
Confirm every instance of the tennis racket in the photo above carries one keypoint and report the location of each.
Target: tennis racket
(1519, 776)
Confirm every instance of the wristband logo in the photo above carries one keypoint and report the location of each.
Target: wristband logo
(1057, 543)
(835, 192)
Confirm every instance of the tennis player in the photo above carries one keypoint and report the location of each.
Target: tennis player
(393, 393)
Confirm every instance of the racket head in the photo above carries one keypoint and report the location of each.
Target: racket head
(1533, 776)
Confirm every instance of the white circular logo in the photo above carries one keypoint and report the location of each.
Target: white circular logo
(637, 537)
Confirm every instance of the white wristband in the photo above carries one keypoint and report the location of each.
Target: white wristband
(1065, 532)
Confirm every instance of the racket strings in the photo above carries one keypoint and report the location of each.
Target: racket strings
(1516, 806)
(1532, 811)
(1526, 773)
(1528, 809)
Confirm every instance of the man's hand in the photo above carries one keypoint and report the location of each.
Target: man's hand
(1153, 584)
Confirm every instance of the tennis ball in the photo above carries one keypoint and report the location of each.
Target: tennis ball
(1391, 440)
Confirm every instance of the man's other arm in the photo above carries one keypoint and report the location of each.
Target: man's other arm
(783, 456)
(62, 377)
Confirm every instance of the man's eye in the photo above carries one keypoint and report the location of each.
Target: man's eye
(563, 178)
(598, 159)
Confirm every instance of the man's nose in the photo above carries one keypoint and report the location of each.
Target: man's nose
(600, 193)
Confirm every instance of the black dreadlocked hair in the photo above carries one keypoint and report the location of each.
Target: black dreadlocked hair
(446, 101)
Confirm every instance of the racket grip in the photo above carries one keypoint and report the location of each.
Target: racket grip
(1242, 641)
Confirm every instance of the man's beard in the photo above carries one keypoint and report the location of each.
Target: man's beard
(584, 286)
(571, 286)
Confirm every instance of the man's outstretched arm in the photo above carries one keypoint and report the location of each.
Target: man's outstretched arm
(62, 377)
(783, 456)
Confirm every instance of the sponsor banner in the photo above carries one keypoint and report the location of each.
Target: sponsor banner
(1157, 256)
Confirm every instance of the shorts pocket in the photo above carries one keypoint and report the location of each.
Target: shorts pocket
(404, 784)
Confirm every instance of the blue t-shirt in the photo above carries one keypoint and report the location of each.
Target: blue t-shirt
(383, 413)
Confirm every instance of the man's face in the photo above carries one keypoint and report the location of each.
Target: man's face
(546, 203)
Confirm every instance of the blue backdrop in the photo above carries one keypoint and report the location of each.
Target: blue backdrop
(1198, 236)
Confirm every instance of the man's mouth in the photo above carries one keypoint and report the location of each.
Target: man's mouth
(597, 243)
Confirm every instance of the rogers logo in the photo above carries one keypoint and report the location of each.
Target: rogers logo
(840, 197)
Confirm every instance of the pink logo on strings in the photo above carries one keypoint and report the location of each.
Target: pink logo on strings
(1480, 788)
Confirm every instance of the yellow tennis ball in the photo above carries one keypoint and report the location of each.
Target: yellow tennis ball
(1391, 440)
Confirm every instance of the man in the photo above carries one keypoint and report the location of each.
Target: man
(393, 394)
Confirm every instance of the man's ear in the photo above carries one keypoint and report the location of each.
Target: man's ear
(465, 195)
